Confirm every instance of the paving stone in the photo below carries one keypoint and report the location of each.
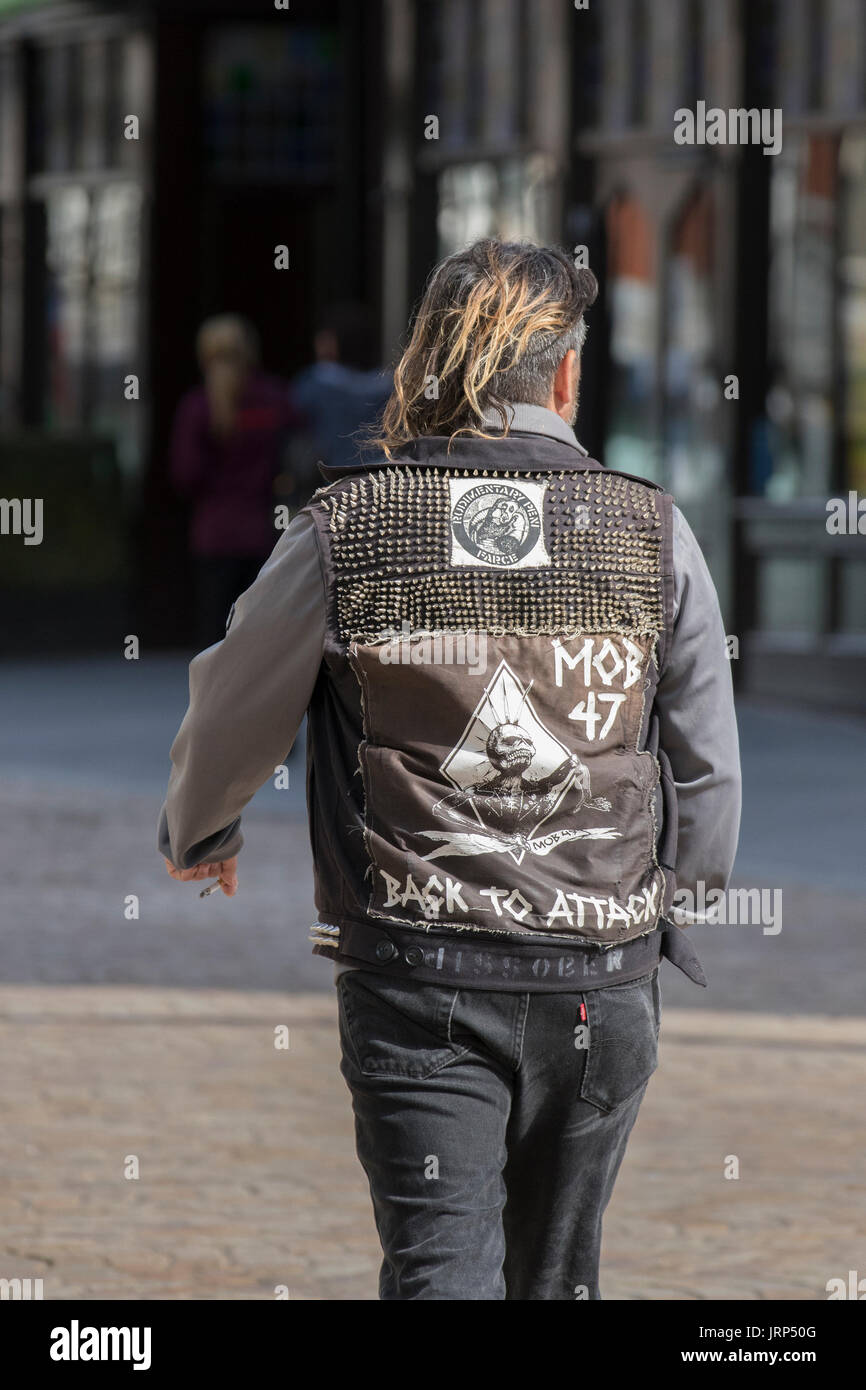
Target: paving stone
(249, 1177)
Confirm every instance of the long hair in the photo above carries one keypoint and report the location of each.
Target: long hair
(492, 326)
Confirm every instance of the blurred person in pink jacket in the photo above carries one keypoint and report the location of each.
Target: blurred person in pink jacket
(226, 450)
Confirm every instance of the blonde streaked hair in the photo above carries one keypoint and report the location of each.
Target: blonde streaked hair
(227, 347)
(492, 327)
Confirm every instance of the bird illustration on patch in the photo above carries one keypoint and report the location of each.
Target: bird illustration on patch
(510, 775)
(497, 524)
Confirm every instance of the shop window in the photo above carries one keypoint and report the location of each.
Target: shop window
(509, 198)
(588, 73)
(791, 595)
(83, 91)
(503, 91)
(7, 120)
(432, 56)
(816, 26)
(271, 103)
(852, 586)
(633, 301)
(694, 83)
(91, 309)
(66, 306)
(475, 61)
(852, 281)
(692, 377)
(639, 63)
(91, 88)
(852, 318)
(792, 447)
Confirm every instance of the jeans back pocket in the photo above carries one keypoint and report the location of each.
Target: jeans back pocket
(623, 1041)
(396, 1028)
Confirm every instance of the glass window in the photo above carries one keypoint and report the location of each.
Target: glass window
(791, 595)
(817, 26)
(90, 62)
(114, 110)
(91, 310)
(510, 198)
(431, 53)
(638, 77)
(115, 269)
(82, 92)
(503, 68)
(456, 76)
(852, 317)
(852, 281)
(53, 118)
(271, 102)
(467, 199)
(791, 450)
(7, 119)
(853, 597)
(587, 74)
(694, 77)
(633, 301)
(66, 254)
(692, 448)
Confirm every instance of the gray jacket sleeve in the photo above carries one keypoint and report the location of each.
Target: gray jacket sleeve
(698, 729)
(247, 699)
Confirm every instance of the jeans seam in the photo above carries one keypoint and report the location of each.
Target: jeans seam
(348, 1021)
(450, 1017)
(519, 1061)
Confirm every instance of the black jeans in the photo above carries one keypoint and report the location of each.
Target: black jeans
(491, 1127)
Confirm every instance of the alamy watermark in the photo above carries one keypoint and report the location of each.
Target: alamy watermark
(408, 648)
(22, 516)
(737, 126)
(731, 907)
(853, 1288)
(846, 516)
(77, 1343)
(21, 1289)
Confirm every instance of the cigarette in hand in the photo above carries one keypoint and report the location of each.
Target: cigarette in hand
(206, 892)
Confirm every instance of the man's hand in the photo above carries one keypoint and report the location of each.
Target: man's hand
(226, 871)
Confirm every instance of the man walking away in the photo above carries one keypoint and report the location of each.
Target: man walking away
(521, 741)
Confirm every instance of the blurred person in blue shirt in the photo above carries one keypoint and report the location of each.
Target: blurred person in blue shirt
(344, 390)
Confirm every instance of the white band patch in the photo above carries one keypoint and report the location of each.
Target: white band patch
(497, 523)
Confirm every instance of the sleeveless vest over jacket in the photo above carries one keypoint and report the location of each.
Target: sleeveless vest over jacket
(481, 750)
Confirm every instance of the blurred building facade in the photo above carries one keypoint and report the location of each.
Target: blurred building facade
(727, 353)
(716, 262)
(153, 157)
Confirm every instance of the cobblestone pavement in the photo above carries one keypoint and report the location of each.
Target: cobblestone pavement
(248, 1177)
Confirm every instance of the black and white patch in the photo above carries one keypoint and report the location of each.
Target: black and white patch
(497, 523)
(511, 774)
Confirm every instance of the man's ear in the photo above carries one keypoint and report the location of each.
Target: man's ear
(565, 384)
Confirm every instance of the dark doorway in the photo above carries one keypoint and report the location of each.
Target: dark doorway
(241, 229)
